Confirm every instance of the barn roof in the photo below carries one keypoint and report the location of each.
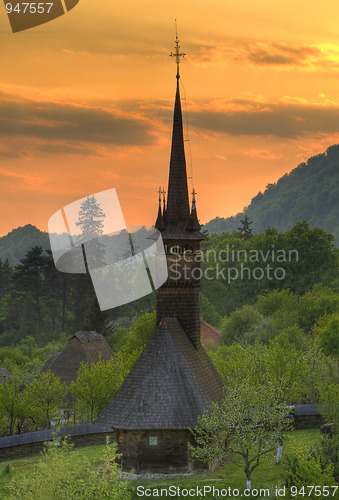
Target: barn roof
(85, 347)
(168, 387)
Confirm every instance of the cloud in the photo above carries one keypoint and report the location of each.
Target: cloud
(70, 128)
(281, 54)
(263, 154)
(283, 119)
(22, 180)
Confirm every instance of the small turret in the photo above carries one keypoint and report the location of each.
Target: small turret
(193, 224)
(160, 219)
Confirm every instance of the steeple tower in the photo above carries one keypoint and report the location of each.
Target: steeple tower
(180, 229)
(179, 219)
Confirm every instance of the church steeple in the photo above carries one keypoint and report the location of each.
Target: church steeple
(178, 297)
(177, 195)
(177, 218)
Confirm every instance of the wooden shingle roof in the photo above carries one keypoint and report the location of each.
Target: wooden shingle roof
(85, 347)
(168, 387)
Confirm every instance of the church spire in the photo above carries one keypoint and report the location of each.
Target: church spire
(177, 54)
(160, 219)
(177, 194)
(194, 222)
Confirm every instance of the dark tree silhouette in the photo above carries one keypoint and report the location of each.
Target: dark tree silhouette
(245, 230)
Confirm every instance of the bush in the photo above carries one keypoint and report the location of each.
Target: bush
(62, 473)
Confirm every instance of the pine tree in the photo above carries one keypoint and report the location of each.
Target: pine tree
(90, 220)
(245, 230)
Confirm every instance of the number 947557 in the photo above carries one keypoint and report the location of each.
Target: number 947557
(29, 8)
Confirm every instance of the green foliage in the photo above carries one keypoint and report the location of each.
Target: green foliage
(296, 370)
(139, 334)
(64, 474)
(327, 334)
(208, 311)
(305, 467)
(309, 192)
(15, 244)
(118, 337)
(245, 269)
(238, 323)
(44, 398)
(317, 302)
(13, 400)
(95, 386)
(12, 357)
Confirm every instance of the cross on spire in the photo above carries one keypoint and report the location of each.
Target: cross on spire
(177, 54)
(164, 198)
(193, 199)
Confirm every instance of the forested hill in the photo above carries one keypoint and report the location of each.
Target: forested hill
(16, 244)
(309, 192)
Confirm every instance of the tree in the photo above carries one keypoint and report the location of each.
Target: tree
(327, 334)
(238, 323)
(29, 277)
(96, 319)
(45, 398)
(90, 220)
(245, 230)
(249, 423)
(5, 278)
(61, 473)
(94, 387)
(12, 399)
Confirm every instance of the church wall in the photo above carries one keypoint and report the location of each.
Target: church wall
(156, 451)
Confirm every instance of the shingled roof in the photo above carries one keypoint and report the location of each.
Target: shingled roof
(84, 347)
(168, 387)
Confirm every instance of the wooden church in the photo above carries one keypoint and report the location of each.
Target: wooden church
(173, 381)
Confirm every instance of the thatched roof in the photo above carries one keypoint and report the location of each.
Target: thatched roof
(84, 347)
(168, 387)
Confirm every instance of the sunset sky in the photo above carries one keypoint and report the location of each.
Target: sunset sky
(86, 102)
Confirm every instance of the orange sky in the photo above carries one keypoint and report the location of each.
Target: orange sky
(86, 102)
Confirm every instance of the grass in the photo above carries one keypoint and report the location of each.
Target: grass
(231, 475)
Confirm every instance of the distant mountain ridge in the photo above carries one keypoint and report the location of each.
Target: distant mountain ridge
(16, 244)
(309, 192)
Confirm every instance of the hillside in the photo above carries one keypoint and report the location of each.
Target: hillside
(15, 244)
(309, 192)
